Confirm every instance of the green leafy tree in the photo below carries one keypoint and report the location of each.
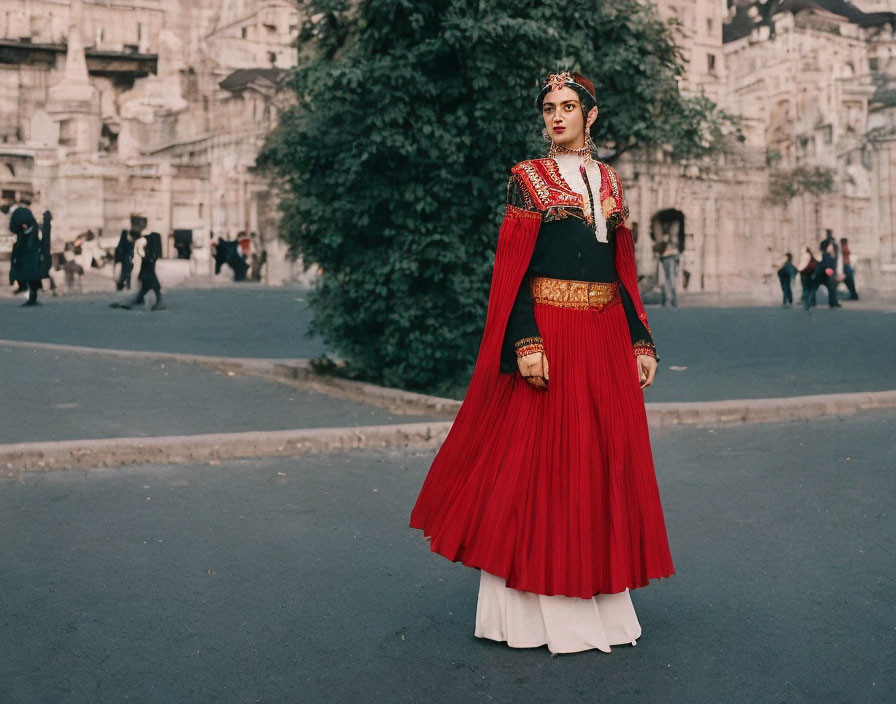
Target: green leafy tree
(393, 164)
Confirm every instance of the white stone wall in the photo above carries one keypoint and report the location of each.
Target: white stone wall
(804, 99)
(171, 146)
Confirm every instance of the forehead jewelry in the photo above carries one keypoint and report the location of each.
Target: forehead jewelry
(556, 80)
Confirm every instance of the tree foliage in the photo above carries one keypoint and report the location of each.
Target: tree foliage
(394, 161)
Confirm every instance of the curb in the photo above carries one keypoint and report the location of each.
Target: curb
(298, 373)
(767, 410)
(118, 452)
(17, 459)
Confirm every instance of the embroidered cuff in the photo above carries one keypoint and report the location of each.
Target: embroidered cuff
(646, 348)
(528, 345)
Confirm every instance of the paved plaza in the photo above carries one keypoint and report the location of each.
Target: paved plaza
(706, 354)
(296, 579)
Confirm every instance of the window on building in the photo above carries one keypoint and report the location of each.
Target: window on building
(711, 63)
(244, 32)
(270, 27)
(68, 135)
(709, 26)
(98, 36)
(139, 32)
(874, 64)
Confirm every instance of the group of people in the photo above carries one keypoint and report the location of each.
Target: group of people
(244, 255)
(31, 258)
(827, 268)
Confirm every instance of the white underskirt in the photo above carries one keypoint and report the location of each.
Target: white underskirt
(565, 624)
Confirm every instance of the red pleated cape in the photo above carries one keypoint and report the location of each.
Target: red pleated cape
(626, 545)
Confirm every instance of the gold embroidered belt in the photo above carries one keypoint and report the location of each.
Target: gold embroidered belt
(583, 295)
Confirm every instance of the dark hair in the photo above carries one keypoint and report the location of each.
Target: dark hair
(22, 220)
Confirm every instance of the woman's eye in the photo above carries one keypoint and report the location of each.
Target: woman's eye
(568, 108)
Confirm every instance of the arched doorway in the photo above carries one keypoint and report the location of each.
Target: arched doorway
(667, 230)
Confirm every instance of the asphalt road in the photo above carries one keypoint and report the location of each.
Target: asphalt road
(283, 581)
(253, 321)
(51, 395)
(706, 354)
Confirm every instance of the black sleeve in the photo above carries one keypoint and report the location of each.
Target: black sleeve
(642, 340)
(522, 335)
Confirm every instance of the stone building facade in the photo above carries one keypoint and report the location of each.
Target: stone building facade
(155, 109)
(814, 85)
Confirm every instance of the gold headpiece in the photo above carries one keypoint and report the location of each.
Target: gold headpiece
(556, 80)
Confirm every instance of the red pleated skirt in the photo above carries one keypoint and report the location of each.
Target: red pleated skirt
(555, 491)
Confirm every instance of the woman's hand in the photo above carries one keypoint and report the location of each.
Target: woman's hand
(646, 370)
(534, 368)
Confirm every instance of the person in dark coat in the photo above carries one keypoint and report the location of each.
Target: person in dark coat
(806, 268)
(826, 272)
(124, 255)
(786, 275)
(30, 261)
(230, 253)
(149, 249)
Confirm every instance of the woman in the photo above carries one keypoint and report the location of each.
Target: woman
(546, 480)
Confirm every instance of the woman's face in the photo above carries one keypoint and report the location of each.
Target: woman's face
(563, 118)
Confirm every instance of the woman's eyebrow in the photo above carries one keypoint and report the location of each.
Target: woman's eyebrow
(562, 102)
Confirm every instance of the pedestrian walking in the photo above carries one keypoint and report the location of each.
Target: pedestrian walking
(74, 272)
(786, 274)
(849, 271)
(124, 257)
(806, 268)
(546, 480)
(148, 249)
(30, 257)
